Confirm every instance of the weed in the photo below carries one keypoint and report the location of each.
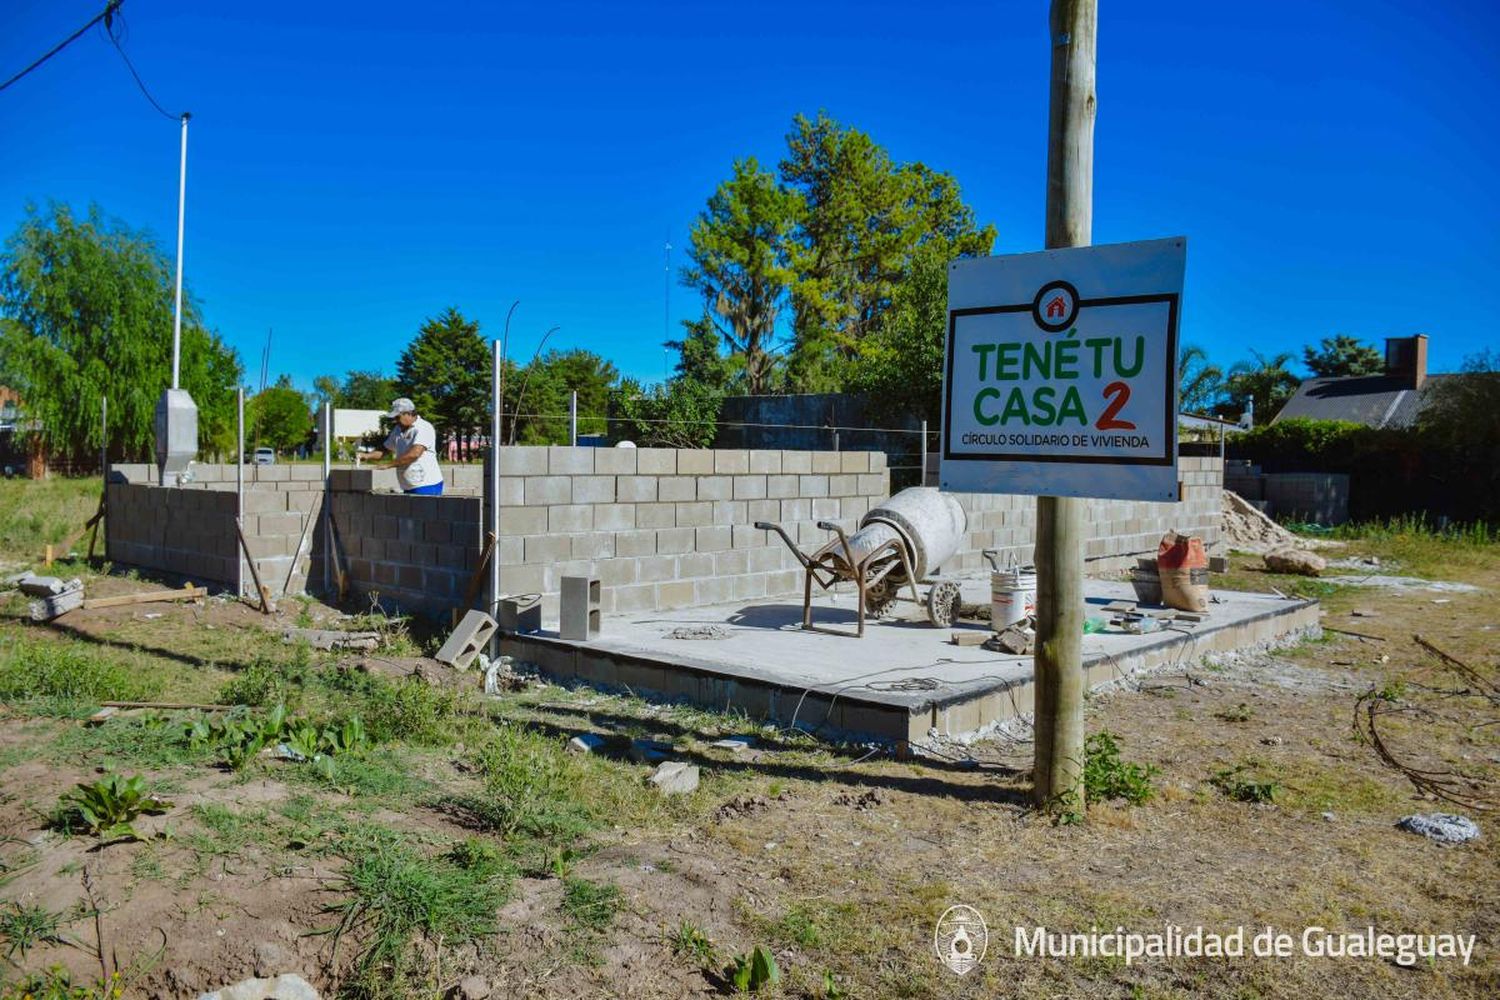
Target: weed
(831, 988)
(107, 807)
(591, 906)
(799, 927)
(531, 789)
(691, 941)
(1106, 776)
(1233, 783)
(1240, 713)
(57, 676)
(394, 893)
(262, 683)
(754, 971)
(228, 831)
(57, 983)
(23, 927)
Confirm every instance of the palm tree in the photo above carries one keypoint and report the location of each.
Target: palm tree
(1199, 384)
(1264, 381)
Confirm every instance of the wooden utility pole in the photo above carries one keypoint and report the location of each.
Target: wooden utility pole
(1058, 771)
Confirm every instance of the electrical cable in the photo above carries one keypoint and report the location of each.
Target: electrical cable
(109, 30)
(106, 15)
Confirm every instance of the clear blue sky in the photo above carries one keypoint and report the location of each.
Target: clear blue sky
(355, 168)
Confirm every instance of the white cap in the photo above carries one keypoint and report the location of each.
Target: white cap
(400, 406)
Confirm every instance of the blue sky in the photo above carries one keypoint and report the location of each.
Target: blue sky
(355, 168)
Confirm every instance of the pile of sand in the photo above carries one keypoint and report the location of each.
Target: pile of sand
(1245, 528)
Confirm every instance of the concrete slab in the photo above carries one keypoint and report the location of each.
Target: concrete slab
(902, 681)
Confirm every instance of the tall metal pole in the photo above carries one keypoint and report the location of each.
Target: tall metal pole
(573, 418)
(494, 489)
(1058, 773)
(177, 309)
(104, 438)
(326, 512)
(239, 487)
(922, 453)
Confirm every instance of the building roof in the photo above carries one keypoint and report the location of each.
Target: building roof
(1372, 400)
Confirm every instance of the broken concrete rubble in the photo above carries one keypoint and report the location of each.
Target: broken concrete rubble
(675, 777)
(1299, 561)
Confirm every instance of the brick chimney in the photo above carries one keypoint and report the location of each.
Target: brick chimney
(1406, 357)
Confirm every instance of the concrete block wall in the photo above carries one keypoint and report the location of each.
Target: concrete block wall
(1321, 497)
(189, 530)
(411, 553)
(662, 528)
(1119, 530)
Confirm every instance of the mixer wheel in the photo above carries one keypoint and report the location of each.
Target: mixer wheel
(943, 602)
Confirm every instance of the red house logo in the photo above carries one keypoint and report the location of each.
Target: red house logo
(1057, 308)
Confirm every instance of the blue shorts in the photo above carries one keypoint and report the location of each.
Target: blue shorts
(436, 489)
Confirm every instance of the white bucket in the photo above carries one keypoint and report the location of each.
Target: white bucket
(1012, 597)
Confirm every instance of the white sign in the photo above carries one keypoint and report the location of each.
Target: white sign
(1061, 372)
(355, 423)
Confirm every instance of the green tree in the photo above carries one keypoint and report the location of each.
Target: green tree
(1263, 380)
(445, 371)
(1342, 355)
(865, 222)
(899, 367)
(680, 413)
(548, 383)
(701, 356)
(366, 390)
(738, 248)
(279, 416)
(1200, 384)
(90, 307)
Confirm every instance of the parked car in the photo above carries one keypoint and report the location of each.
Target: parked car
(264, 456)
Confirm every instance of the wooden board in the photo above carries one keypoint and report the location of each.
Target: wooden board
(185, 594)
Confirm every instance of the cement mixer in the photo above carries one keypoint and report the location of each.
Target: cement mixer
(899, 544)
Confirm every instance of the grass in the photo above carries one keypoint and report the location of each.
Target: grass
(58, 676)
(37, 513)
(395, 894)
(591, 906)
(24, 926)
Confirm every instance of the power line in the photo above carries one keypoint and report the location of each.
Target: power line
(106, 15)
(109, 30)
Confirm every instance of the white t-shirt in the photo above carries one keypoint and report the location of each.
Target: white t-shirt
(424, 471)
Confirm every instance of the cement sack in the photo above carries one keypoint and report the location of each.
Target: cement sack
(1182, 566)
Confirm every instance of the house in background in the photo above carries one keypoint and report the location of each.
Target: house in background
(1391, 399)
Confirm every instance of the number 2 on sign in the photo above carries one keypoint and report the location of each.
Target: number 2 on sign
(1107, 420)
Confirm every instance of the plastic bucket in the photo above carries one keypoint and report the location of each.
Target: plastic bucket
(1012, 597)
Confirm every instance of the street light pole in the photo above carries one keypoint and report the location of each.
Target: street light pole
(181, 210)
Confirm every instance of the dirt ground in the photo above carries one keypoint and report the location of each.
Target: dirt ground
(839, 860)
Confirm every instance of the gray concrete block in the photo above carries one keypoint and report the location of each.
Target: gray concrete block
(796, 510)
(843, 485)
(654, 569)
(567, 461)
(530, 579)
(614, 517)
(636, 489)
(715, 538)
(307, 473)
(635, 543)
(547, 490)
(264, 502)
(693, 515)
(593, 545)
(693, 564)
(615, 461)
(759, 510)
(548, 548)
(796, 462)
(715, 488)
(436, 532)
(878, 460)
(780, 487)
(677, 488)
(713, 590)
(523, 460)
(671, 541)
(641, 597)
(731, 461)
(854, 461)
(826, 462)
(765, 462)
(656, 515)
(594, 489)
(271, 473)
(871, 484)
(825, 508)
(615, 572)
(749, 487)
(695, 462)
(570, 517)
(523, 520)
(656, 461)
(676, 594)
(812, 486)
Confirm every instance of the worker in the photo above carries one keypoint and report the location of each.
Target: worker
(412, 447)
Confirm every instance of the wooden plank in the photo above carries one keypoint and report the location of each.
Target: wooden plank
(185, 594)
(175, 706)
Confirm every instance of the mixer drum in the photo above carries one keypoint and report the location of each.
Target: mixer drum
(931, 523)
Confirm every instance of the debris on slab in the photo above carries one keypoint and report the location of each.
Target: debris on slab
(467, 640)
(699, 632)
(675, 777)
(969, 637)
(48, 608)
(1445, 828)
(331, 639)
(47, 586)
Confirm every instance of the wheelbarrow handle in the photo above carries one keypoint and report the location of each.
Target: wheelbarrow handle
(769, 526)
